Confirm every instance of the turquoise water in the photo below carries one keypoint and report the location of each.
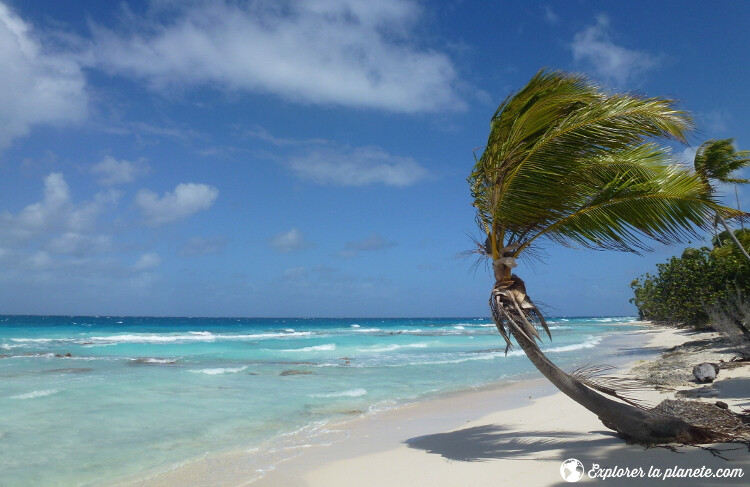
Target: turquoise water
(145, 393)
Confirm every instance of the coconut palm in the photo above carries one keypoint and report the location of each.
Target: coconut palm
(570, 164)
(715, 162)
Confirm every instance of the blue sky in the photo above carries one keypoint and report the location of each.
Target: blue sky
(308, 158)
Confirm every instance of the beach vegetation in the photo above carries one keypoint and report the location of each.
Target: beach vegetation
(684, 289)
(716, 162)
(568, 163)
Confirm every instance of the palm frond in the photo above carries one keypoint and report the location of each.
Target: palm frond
(566, 161)
(716, 160)
(622, 388)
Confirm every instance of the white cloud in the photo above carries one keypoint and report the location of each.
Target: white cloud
(38, 86)
(72, 243)
(367, 244)
(55, 212)
(342, 52)
(290, 241)
(264, 135)
(203, 246)
(715, 120)
(111, 171)
(594, 48)
(40, 260)
(358, 167)
(549, 15)
(185, 200)
(687, 155)
(295, 273)
(147, 262)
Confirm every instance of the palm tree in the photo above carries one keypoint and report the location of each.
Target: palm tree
(571, 164)
(715, 161)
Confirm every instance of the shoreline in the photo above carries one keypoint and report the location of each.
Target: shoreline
(349, 440)
(523, 444)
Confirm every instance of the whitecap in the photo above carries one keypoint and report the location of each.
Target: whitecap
(34, 394)
(151, 360)
(390, 348)
(590, 343)
(464, 358)
(190, 337)
(349, 393)
(221, 370)
(316, 348)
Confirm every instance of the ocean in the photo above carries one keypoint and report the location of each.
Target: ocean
(91, 400)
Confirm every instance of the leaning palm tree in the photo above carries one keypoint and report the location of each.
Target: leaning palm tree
(571, 164)
(715, 162)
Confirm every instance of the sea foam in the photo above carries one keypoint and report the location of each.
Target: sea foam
(34, 394)
(349, 393)
(220, 370)
(317, 348)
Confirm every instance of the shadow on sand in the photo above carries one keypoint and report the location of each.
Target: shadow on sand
(495, 442)
(735, 388)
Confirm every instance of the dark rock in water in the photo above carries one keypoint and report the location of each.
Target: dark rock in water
(705, 372)
(296, 372)
(63, 356)
(722, 404)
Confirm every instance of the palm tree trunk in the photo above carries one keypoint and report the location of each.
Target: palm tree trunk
(630, 422)
(733, 236)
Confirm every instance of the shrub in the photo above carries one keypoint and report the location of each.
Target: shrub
(685, 288)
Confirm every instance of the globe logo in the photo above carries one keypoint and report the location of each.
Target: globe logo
(571, 470)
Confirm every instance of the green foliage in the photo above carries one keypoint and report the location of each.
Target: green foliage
(716, 160)
(685, 288)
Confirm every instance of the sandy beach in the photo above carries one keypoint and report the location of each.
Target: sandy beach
(516, 433)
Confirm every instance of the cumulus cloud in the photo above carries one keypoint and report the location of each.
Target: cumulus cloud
(55, 212)
(594, 48)
(341, 52)
(290, 241)
(185, 200)
(72, 243)
(356, 167)
(111, 171)
(147, 262)
(39, 86)
(367, 244)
